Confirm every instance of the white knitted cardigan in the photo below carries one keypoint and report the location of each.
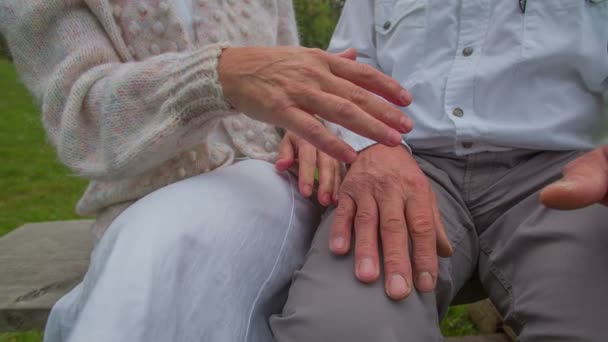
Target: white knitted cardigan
(129, 99)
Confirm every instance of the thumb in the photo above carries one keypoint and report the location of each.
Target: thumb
(584, 183)
(348, 54)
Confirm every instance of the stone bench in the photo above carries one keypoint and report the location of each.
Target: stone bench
(41, 262)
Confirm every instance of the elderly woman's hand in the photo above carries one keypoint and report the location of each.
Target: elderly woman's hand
(287, 86)
(294, 149)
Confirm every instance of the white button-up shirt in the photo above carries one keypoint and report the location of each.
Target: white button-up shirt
(485, 74)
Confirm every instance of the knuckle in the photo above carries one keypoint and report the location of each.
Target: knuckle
(310, 71)
(419, 185)
(421, 226)
(343, 107)
(326, 164)
(392, 265)
(343, 212)
(297, 89)
(366, 70)
(393, 226)
(358, 95)
(316, 52)
(370, 177)
(394, 257)
(424, 259)
(365, 216)
(356, 183)
(348, 189)
(390, 113)
(307, 163)
(279, 104)
(393, 85)
(365, 245)
(387, 183)
(313, 130)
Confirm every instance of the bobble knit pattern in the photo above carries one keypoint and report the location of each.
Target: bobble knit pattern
(129, 99)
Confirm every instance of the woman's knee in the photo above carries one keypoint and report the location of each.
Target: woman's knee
(246, 213)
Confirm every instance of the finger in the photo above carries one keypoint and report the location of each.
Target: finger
(585, 182)
(370, 103)
(367, 267)
(371, 79)
(348, 115)
(444, 248)
(326, 178)
(337, 181)
(350, 53)
(307, 164)
(286, 157)
(393, 232)
(421, 227)
(310, 129)
(341, 229)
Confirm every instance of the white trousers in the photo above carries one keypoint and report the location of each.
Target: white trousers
(209, 258)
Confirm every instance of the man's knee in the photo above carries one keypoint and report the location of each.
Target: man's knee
(327, 303)
(341, 314)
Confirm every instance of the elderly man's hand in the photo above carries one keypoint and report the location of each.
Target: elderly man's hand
(585, 182)
(288, 86)
(386, 188)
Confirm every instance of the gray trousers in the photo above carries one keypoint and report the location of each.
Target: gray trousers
(546, 270)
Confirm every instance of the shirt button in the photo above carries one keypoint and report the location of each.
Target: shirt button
(467, 51)
(387, 25)
(458, 112)
(467, 144)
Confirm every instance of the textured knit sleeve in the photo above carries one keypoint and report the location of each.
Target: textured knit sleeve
(109, 116)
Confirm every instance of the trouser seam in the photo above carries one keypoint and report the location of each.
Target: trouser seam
(502, 280)
(278, 258)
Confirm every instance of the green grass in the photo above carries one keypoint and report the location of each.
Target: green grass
(36, 187)
(23, 337)
(458, 323)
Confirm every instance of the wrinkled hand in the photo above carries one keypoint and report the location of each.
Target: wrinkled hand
(585, 182)
(295, 149)
(385, 186)
(287, 86)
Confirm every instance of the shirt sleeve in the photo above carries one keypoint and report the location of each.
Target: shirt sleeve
(355, 29)
(108, 115)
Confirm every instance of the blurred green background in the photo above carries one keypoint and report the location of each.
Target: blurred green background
(36, 187)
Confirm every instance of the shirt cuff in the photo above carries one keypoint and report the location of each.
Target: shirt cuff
(356, 141)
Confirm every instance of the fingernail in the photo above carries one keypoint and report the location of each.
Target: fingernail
(325, 199)
(424, 282)
(405, 124)
(307, 190)
(338, 243)
(394, 138)
(406, 97)
(366, 268)
(349, 156)
(566, 185)
(397, 286)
